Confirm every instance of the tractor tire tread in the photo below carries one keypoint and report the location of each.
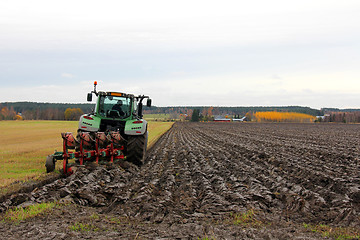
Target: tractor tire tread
(136, 149)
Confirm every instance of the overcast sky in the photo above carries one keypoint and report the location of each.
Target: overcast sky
(219, 53)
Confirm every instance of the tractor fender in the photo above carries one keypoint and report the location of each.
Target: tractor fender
(89, 123)
(135, 127)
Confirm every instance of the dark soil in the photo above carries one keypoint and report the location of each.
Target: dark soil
(198, 177)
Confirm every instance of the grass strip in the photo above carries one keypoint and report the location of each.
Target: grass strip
(19, 214)
(83, 227)
(247, 218)
(338, 233)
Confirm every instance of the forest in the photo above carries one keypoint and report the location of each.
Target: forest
(43, 111)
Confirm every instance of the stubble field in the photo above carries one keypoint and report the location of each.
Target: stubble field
(210, 180)
(24, 146)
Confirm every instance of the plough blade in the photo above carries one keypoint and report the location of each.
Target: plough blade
(69, 140)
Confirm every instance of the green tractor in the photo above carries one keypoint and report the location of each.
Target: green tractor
(114, 131)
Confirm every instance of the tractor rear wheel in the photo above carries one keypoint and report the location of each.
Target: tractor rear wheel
(50, 164)
(136, 149)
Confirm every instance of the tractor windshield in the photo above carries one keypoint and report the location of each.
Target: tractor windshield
(114, 106)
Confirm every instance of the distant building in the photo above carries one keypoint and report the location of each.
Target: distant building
(322, 118)
(239, 119)
(221, 119)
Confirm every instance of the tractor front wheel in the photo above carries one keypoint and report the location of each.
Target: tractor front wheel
(136, 149)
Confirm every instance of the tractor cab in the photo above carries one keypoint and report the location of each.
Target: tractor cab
(115, 111)
(118, 105)
(111, 106)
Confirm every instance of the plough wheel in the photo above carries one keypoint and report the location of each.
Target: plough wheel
(136, 149)
(50, 164)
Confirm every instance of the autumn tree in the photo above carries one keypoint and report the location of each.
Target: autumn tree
(283, 117)
(204, 112)
(209, 111)
(248, 116)
(7, 114)
(18, 117)
(72, 113)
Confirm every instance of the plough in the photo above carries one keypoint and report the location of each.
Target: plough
(95, 147)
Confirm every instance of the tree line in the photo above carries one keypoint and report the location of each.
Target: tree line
(69, 111)
(214, 111)
(341, 117)
(43, 111)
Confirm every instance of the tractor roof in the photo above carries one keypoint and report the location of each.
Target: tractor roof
(118, 94)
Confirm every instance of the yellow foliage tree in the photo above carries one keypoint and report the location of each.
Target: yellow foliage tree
(18, 117)
(283, 117)
(72, 113)
(248, 116)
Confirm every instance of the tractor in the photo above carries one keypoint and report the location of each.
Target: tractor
(114, 131)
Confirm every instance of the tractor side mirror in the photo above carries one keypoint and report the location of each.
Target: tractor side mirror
(148, 102)
(89, 97)
(140, 106)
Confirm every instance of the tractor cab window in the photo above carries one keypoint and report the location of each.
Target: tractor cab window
(135, 107)
(114, 107)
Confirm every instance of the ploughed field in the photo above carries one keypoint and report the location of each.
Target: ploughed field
(209, 180)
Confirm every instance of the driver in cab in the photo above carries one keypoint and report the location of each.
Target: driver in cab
(118, 107)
